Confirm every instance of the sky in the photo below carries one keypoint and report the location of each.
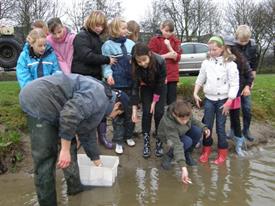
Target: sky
(135, 10)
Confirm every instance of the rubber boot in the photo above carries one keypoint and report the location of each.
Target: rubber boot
(167, 159)
(222, 155)
(102, 130)
(146, 148)
(188, 157)
(206, 151)
(159, 150)
(239, 142)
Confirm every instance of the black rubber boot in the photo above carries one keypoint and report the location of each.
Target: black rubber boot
(188, 157)
(146, 148)
(167, 159)
(159, 150)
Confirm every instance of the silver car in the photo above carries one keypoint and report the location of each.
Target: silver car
(193, 54)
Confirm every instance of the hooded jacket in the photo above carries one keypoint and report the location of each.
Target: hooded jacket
(27, 64)
(74, 102)
(170, 130)
(64, 50)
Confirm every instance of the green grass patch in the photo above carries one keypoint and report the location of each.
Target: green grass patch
(12, 119)
(263, 95)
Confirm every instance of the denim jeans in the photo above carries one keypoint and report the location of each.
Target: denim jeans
(191, 138)
(122, 124)
(246, 110)
(211, 110)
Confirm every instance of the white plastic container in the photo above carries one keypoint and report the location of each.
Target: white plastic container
(98, 176)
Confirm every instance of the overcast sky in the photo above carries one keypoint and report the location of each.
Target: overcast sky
(135, 10)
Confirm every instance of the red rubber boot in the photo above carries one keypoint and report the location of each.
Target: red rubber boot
(206, 151)
(222, 155)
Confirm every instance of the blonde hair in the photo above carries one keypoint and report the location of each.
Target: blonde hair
(243, 32)
(219, 41)
(169, 24)
(114, 27)
(41, 25)
(96, 18)
(134, 29)
(35, 34)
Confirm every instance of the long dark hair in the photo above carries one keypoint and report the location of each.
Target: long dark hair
(141, 49)
(240, 60)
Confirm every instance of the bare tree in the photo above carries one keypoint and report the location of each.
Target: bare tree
(6, 9)
(259, 16)
(80, 9)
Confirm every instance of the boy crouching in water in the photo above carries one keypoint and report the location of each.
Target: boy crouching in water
(181, 132)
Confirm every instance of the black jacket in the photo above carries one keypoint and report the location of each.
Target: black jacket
(250, 52)
(87, 57)
(142, 78)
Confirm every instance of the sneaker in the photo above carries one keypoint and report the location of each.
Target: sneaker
(130, 142)
(119, 149)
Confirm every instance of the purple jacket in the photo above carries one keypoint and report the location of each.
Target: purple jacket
(64, 50)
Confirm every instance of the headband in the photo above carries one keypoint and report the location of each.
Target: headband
(217, 39)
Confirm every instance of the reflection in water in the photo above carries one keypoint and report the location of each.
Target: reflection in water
(245, 182)
(144, 191)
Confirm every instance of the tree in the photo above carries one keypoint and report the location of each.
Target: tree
(80, 9)
(6, 9)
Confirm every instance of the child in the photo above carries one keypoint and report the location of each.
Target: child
(88, 58)
(37, 59)
(168, 46)
(119, 77)
(246, 79)
(133, 30)
(249, 49)
(181, 132)
(41, 25)
(219, 78)
(149, 74)
(61, 39)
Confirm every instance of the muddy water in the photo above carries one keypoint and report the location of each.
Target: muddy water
(249, 181)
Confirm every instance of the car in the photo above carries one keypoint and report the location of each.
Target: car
(193, 54)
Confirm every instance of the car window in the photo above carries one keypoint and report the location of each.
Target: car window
(200, 48)
(187, 49)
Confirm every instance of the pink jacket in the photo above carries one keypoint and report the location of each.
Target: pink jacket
(64, 50)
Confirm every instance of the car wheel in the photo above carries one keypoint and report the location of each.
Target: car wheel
(9, 52)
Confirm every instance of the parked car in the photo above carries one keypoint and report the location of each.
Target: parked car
(193, 54)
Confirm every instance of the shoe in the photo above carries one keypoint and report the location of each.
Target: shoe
(222, 155)
(188, 157)
(239, 142)
(119, 149)
(248, 136)
(146, 148)
(101, 130)
(166, 162)
(130, 142)
(80, 189)
(230, 134)
(159, 149)
(206, 151)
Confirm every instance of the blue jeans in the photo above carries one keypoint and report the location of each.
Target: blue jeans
(191, 138)
(246, 110)
(212, 110)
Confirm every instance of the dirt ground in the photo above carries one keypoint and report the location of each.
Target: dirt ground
(263, 132)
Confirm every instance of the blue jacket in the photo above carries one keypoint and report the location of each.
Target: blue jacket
(74, 102)
(27, 64)
(121, 71)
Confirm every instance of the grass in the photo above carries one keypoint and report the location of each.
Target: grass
(263, 95)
